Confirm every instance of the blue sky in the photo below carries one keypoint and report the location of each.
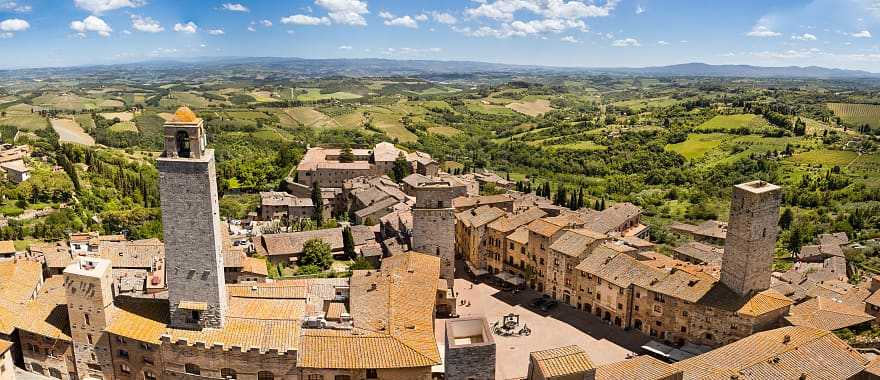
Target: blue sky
(588, 33)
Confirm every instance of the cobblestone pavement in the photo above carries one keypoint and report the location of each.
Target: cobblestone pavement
(562, 326)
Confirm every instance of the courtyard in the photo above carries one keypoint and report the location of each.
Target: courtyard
(561, 326)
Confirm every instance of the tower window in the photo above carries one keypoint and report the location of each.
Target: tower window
(192, 369)
(182, 140)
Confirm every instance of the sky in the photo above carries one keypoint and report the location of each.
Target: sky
(581, 33)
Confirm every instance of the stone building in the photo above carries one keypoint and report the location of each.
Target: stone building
(191, 225)
(322, 165)
(751, 237)
(434, 223)
(566, 252)
(7, 368)
(470, 232)
(708, 232)
(495, 249)
(89, 284)
(278, 204)
(470, 349)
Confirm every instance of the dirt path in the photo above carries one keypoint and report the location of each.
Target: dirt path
(69, 131)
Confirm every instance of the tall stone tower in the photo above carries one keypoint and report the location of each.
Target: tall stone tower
(751, 237)
(191, 226)
(89, 285)
(434, 223)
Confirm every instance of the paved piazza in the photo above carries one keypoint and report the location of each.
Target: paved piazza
(563, 326)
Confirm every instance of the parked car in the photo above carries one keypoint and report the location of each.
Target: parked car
(539, 302)
(549, 304)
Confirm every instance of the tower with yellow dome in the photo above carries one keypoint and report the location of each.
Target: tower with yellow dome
(191, 225)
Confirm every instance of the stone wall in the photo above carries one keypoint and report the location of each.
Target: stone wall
(434, 225)
(212, 359)
(142, 359)
(47, 356)
(192, 235)
(89, 309)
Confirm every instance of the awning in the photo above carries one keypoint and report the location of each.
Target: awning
(510, 278)
(475, 271)
(670, 353)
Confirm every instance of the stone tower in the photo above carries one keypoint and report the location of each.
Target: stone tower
(191, 226)
(751, 237)
(434, 223)
(470, 349)
(89, 286)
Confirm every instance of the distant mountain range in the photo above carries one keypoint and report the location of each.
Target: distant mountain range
(388, 67)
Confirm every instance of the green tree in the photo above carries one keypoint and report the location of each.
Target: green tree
(308, 269)
(348, 242)
(316, 252)
(346, 155)
(786, 218)
(318, 202)
(360, 263)
(401, 168)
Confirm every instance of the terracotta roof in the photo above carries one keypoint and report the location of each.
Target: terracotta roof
(335, 310)
(544, 227)
(827, 314)
(637, 242)
(468, 202)
(268, 290)
(511, 222)
(392, 310)
(18, 279)
(385, 204)
(575, 243)
(141, 319)
(819, 252)
(280, 198)
(47, 314)
(562, 361)
(55, 255)
(184, 115)
(837, 238)
(712, 228)
(613, 217)
(638, 368)
(480, 216)
(5, 345)
(703, 252)
(291, 243)
(873, 299)
(521, 235)
(133, 254)
(255, 266)
(783, 353)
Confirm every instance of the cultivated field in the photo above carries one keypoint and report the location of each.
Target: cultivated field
(165, 115)
(857, 114)
(532, 108)
(25, 122)
(309, 117)
(124, 126)
(697, 145)
(444, 131)
(123, 116)
(314, 94)
(732, 122)
(69, 131)
(640, 104)
(580, 145)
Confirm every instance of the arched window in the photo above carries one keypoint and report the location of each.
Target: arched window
(228, 373)
(149, 375)
(342, 377)
(315, 377)
(192, 369)
(182, 139)
(265, 375)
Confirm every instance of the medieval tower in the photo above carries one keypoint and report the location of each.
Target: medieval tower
(89, 287)
(751, 237)
(434, 223)
(191, 224)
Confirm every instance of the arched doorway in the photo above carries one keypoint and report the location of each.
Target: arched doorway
(182, 140)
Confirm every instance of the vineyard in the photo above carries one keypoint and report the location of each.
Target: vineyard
(854, 114)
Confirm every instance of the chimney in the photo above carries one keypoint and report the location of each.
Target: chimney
(786, 339)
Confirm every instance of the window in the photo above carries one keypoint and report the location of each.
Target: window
(119, 339)
(194, 316)
(192, 369)
(315, 377)
(620, 306)
(148, 360)
(228, 373)
(684, 313)
(636, 307)
(265, 375)
(658, 323)
(684, 329)
(341, 377)
(88, 319)
(54, 372)
(709, 336)
(146, 347)
(89, 338)
(124, 368)
(658, 309)
(35, 367)
(149, 375)
(123, 354)
(371, 374)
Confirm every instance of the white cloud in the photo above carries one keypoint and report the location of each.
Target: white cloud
(305, 20)
(99, 6)
(6, 35)
(13, 6)
(422, 17)
(626, 42)
(662, 43)
(523, 28)
(266, 23)
(386, 15)
(505, 9)
(345, 47)
(145, 24)
(804, 37)
(786, 54)
(91, 24)
(235, 7)
(639, 9)
(188, 28)
(346, 12)
(14, 25)
(444, 18)
(251, 28)
(861, 34)
(570, 39)
(762, 31)
(216, 32)
(411, 51)
(404, 21)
